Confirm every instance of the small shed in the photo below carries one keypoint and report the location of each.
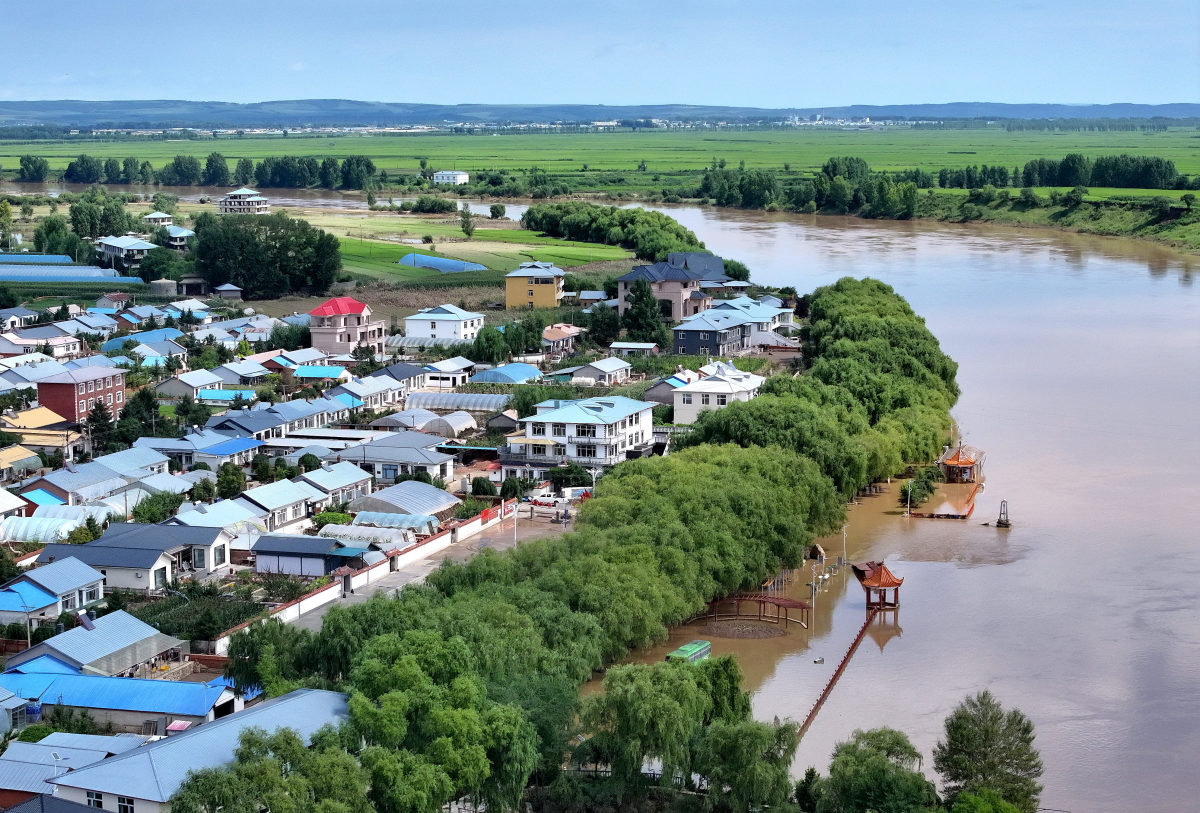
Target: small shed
(505, 421)
(228, 291)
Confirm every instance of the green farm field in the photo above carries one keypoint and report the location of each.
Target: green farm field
(663, 151)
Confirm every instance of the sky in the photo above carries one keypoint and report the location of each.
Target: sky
(758, 53)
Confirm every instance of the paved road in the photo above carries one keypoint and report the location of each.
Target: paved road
(505, 535)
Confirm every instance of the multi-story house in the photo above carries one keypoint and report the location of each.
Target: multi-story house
(534, 285)
(595, 433)
(342, 324)
(676, 287)
(715, 333)
(177, 237)
(764, 317)
(444, 322)
(125, 251)
(156, 219)
(714, 392)
(243, 202)
(73, 394)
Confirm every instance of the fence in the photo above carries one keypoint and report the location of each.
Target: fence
(329, 593)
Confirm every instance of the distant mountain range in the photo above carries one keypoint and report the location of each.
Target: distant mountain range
(344, 112)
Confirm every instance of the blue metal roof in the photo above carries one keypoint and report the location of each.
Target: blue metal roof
(318, 371)
(144, 337)
(40, 496)
(347, 399)
(225, 395)
(113, 633)
(231, 446)
(64, 575)
(442, 264)
(45, 665)
(133, 694)
(22, 597)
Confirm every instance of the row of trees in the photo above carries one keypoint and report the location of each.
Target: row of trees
(352, 172)
(650, 235)
(877, 395)
(266, 255)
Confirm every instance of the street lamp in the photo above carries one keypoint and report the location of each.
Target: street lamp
(845, 559)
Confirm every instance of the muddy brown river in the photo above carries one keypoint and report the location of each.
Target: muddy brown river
(1079, 361)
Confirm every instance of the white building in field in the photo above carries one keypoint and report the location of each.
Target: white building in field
(244, 202)
(444, 322)
(452, 177)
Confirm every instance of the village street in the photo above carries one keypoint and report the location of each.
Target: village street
(501, 537)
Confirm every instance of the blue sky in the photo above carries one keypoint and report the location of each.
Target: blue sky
(756, 53)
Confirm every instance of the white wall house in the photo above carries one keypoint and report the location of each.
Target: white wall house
(125, 250)
(444, 322)
(714, 392)
(454, 177)
(594, 432)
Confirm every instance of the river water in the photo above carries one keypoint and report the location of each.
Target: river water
(1079, 361)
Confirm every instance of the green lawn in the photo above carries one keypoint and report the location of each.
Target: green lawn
(663, 151)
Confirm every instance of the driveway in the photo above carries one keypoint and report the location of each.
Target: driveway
(500, 537)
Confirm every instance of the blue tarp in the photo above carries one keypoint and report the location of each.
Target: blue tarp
(442, 264)
(40, 496)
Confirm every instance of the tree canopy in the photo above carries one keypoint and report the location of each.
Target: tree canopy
(267, 256)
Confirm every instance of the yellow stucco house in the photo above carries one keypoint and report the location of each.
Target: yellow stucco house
(534, 285)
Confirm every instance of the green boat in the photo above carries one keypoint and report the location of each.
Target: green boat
(691, 652)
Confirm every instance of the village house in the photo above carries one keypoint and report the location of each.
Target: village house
(608, 372)
(444, 321)
(149, 557)
(131, 781)
(73, 393)
(43, 430)
(449, 373)
(714, 392)
(12, 318)
(719, 333)
(177, 237)
(560, 338)
(118, 300)
(41, 594)
(155, 219)
(62, 347)
(534, 285)
(286, 502)
(595, 433)
(371, 393)
(189, 384)
(26, 768)
(229, 291)
(409, 376)
(633, 349)
(125, 251)
(243, 202)
(343, 323)
(341, 482)
(401, 452)
(161, 334)
(676, 287)
(247, 373)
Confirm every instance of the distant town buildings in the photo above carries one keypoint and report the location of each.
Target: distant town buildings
(244, 202)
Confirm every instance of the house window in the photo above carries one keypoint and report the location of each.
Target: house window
(110, 399)
(124, 804)
(218, 555)
(95, 799)
(537, 451)
(91, 594)
(108, 381)
(160, 578)
(704, 400)
(586, 431)
(83, 405)
(537, 429)
(198, 558)
(722, 400)
(17, 718)
(531, 292)
(585, 451)
(559, 429)
(120, 396)
(704, 350)
(687, 397)
(68, 602)
(682, 350)
(91, 386)
(559, 450)
(389, 472)
(82, 389)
